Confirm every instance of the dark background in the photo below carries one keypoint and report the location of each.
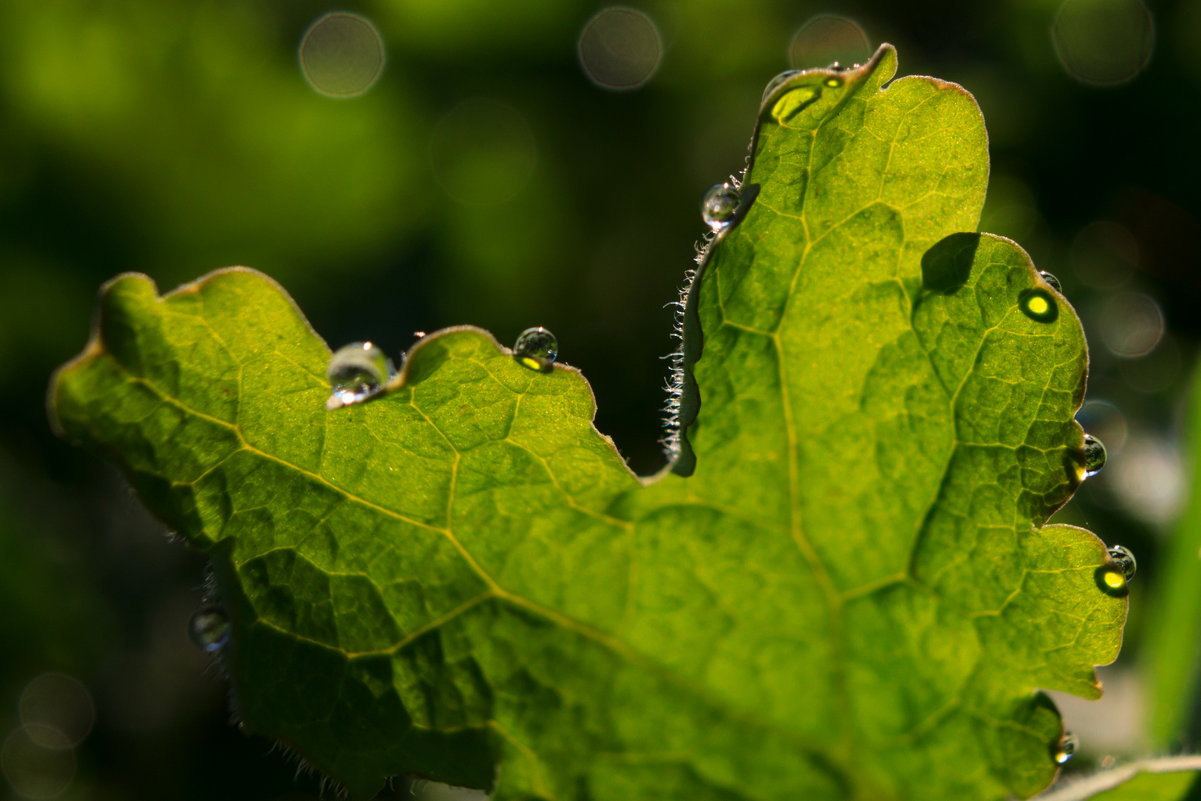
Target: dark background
(486, 179)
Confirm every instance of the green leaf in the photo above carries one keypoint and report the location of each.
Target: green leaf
(844, 591)
(1172, 648)
(1167, 779)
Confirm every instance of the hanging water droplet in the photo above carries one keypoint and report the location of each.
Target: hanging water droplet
(1038, 304)
(357, 371)
(1123, 560)
(719, 206)
(1051, 281)
(1065, 749)
(1094, 456)
(209, 629)
(1111, 580)
(1114, 576)
(537, 349)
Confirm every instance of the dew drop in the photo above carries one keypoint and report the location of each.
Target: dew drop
(1114, 576)
(209, 629)
(1038, 304)
(1065, 749)
(776, 82)
(357, 371)
(832, 82)
(1094, 456)
(1111, 580)
(536, 348)
(1051, 281)
(1122, 558)
(719, 206)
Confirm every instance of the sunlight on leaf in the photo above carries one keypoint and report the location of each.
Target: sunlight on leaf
(843, 591)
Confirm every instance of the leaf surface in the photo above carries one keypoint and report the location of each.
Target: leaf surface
(844, 591)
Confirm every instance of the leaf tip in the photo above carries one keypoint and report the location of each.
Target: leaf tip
(109, 297)
(883, 63)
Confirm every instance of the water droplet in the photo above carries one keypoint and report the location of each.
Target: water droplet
(1123, 560)
(1111, 580)
(1051, 281)
(537, 349)
(1113, 576)
(776, 82)
(357, 371)
(719, 206)
(1038, 304)
(1094, 456)
(1065, 749)
(833, 82)
(209, 629)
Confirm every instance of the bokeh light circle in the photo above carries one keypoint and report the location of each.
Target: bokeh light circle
(827, 38)
(620, 48)
(59, 704)
(1103, 42)
(1149, 478)
(482, 152)
(342, 55)
(1130, 324)
(33, 770)
(1158, 371)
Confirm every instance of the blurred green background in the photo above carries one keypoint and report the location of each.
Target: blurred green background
(413, 164)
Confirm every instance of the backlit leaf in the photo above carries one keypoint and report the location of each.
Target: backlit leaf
(844, 589)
